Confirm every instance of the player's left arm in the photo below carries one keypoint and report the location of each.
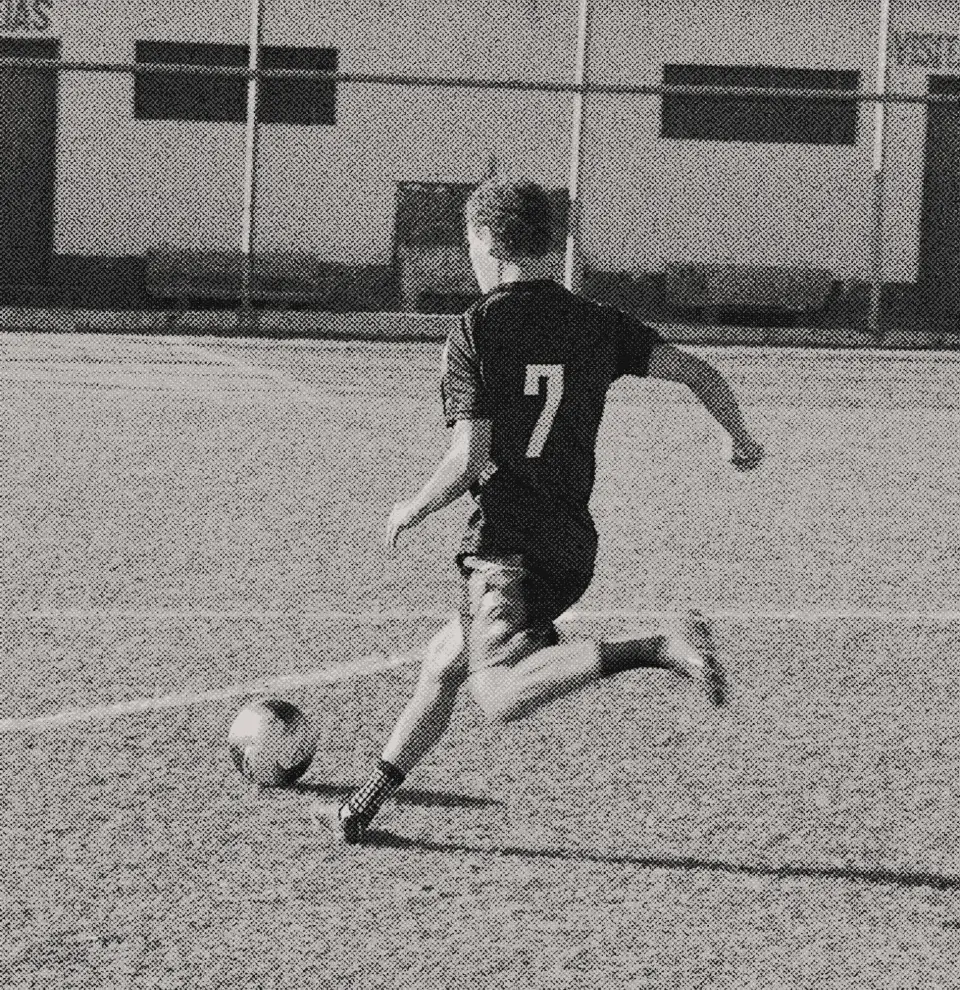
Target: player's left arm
(712, 389)
(463, 463)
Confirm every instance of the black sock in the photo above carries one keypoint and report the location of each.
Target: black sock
(379, 787)
(617, 655)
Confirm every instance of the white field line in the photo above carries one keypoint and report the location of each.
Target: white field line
(777, 615)
(327, 675)
(268, 615)
(115, 370)
(300, 390)
(375, 664)
(161, 384)
(403, 615)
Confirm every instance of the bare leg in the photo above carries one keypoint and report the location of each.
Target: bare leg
(518, 678)
(427, 715)
(506, 692)
(517, 666)
(420, 726)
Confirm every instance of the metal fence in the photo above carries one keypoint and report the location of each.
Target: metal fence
(262, 218)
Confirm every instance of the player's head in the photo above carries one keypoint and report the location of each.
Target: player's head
(507, 223)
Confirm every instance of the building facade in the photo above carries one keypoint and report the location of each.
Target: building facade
(100, 165)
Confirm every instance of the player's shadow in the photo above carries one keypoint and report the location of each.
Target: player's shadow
(438, 799)
(875, 875)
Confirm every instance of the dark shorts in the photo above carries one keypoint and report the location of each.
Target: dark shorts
(508, 606)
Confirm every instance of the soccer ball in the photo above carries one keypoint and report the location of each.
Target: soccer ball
(272, 742)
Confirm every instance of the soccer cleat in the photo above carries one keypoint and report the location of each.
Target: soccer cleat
(346, 827)
(691, 652)
(349, 821)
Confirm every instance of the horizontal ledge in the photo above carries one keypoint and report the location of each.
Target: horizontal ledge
(455, 82)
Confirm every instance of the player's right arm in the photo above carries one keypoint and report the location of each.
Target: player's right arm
(668, 363)
(464, 462)
(465, 411)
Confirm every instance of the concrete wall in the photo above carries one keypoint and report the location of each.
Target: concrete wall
(127, 185)
(912, 60)
(652, 201)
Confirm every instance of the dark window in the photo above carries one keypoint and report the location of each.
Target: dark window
(780, 121)
(180, 96)
(298, 101)
(944, 86)
(183, 96)
(29, 48)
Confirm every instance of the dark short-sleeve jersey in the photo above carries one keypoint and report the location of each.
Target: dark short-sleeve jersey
(537, 361)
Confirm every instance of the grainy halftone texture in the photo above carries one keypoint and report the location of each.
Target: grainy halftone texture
(184, 515)
(189, 521)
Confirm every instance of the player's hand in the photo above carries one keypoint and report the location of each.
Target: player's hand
(402, 516)
(744, 453)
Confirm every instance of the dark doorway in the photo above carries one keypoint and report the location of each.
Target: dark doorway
(939, 274)
(28, 151)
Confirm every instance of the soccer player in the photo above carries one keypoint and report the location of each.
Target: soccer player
(524, 377)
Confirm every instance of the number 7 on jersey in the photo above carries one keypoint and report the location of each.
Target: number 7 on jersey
(554, 376)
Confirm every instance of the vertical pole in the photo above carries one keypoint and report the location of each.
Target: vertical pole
(573, 266)
(247, 234)
(879, 143)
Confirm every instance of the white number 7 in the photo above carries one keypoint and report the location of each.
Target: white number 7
(554, 376)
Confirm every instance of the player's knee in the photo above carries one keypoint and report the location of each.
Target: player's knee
(446, 658)
(495, 642)
(493, 692)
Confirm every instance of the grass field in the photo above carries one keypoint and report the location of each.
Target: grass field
(181, 518)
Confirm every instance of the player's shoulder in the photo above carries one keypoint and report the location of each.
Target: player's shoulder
(481, 311)
(463, 331)
(612, 317)
(493, 303)
(625, 328)
(548, 302)
(488, 321)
